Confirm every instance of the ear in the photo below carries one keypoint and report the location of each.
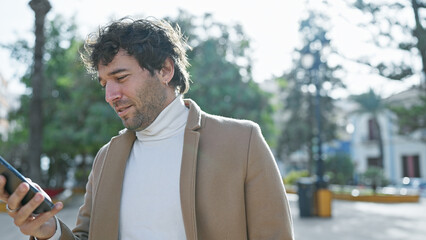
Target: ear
(167, 71)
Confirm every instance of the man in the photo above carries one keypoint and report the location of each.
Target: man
(176, 172)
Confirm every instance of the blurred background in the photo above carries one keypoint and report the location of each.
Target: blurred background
(337, 86)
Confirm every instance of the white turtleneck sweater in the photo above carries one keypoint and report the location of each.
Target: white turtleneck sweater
(150, 202)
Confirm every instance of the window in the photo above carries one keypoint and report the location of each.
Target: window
(373, 162)
(411, 166)
(373, 133)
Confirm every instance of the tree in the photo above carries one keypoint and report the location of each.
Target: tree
(40, 8)
(372, 104)
(300, 102)
(375, 177)
(339, 168)
(77, 121)
(391, 31)
(412, 118)
(221, 71)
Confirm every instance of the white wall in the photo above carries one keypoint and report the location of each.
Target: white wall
(394, 146)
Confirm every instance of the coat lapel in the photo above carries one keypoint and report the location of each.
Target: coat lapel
(189, 170)
(106, 211)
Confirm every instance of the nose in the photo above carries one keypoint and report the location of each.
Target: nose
(112, 92)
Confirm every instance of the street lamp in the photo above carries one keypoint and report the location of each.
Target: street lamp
(312, 63)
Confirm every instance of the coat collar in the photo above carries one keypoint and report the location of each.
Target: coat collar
(189, 169)
(106, 210)
(194, 116)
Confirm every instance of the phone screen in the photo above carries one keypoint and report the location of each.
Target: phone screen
(14, 178)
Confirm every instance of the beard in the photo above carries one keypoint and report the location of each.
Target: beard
(148, 104)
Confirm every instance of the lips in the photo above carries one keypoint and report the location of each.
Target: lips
(121, 111)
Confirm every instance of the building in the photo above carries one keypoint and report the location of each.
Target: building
(403, 155)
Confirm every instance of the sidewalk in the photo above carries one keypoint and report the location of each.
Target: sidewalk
(350, 221)
(363, 220)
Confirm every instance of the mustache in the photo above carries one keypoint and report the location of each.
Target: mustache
(121, 103)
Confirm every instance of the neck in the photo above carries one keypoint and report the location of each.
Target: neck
(170, 120)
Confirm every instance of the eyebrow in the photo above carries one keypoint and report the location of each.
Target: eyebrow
(114, 72)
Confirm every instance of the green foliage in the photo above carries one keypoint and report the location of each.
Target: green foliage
(374, 176)
(77, 120)
(411, 118)
(299, 127)
(339, 168)
(387, 22)
(81, 176)
(369, 102)
(221, 72)
(292, 177)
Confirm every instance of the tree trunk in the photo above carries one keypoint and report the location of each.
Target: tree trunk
(420, 33)
(40, 8)
(311, 123)
(379, 141)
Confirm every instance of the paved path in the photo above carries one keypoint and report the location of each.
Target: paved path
(350, 221)
(364, 221)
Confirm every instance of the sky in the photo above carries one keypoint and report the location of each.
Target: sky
(272, 26)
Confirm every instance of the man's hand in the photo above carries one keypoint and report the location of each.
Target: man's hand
(41, 226)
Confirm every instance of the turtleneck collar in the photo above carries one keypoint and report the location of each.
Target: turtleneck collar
(168, 123)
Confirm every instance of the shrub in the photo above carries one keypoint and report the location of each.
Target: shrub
(292, 177)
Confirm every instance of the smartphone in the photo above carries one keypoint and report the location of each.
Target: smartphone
(14, 178)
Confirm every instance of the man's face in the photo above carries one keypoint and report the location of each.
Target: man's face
(135, 95)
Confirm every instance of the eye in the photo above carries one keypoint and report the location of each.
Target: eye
(119, 78)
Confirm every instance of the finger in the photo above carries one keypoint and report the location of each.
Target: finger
(3, 194)
(35, 185)
(44, 225)
(40, 189)
(14, 201)
(26, 211)
(44, 217)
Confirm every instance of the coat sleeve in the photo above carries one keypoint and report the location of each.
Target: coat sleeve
(81, 231)
(267, 207)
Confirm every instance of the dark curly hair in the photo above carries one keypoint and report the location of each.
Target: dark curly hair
(150, 41)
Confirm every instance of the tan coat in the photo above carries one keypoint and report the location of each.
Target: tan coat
(230, 186)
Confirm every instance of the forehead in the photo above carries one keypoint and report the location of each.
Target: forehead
(122, 60)
(122, 57)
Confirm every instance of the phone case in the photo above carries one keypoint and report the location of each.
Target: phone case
(14, 178)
